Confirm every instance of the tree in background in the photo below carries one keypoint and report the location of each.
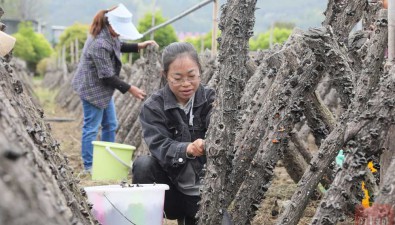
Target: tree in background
(31, 46)
(203, 42)
(281, 32)
(276, 35)
(164, 36)
(69, 37)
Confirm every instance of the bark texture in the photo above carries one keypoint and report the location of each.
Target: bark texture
(364, 144)
(342, 15)
(37, 186)
(356, 118)
(237, 22)
(285, 104)
(324, 78)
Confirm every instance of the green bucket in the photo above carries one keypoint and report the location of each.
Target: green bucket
(111, 161)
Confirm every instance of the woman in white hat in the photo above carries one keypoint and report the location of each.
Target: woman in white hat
(97, 75)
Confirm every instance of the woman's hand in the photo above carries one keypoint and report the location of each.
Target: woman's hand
(146, 43)
(196, 148)
(137, 92)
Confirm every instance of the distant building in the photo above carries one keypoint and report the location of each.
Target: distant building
(56, 31)
(12, 25)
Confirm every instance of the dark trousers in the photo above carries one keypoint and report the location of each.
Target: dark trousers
(146, 170)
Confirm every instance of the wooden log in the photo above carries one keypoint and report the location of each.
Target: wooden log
(249, 135)
(365, 85)
(149, 80)
(388, 154)
(36, 179)
(77, 51)
(342, 16)
(121, 100)
(369, 15)
(283, 112)
(236, 23)
(299, 158)
(133, 111)
(386, 195)
(294, 162)
(366, 143)
(124, 102)
(72, 54)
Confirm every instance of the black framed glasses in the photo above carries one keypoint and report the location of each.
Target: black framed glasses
(179, 82)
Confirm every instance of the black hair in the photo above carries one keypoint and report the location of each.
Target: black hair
(174, 50)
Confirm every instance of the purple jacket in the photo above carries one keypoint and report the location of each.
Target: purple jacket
(100, 59)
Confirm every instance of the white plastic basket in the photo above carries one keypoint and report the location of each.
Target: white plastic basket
(114, 204)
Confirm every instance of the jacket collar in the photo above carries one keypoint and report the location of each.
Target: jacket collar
(170, 101)
(115, 43)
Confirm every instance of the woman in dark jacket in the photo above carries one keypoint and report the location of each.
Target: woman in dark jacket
(97, 75)
(174, 122)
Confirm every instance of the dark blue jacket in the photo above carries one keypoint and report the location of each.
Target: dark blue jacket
(167, 133)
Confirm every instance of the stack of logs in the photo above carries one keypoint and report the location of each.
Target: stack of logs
(263, 100)
(37, 185)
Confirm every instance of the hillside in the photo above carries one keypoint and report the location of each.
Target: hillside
(304, 13)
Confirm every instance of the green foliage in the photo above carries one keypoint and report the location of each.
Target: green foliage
(69, 36)
(262, 41)
(281, 33)
(31, 46)
(24, 47)
(197, 41)
(42, 66)
(163, 36)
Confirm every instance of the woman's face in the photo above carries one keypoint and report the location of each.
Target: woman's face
(183, 77)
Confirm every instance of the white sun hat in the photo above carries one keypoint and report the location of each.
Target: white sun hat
(7, 43)
(120, 20)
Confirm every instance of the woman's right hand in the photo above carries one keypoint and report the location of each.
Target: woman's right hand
(196, 148)
(144, 44)
(137, 92)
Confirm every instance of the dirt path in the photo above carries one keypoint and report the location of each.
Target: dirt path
(68, 135)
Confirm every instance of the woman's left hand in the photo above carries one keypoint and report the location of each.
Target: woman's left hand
(146, 43)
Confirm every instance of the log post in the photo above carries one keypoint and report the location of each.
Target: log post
(281, 114)
(365, 84)
(367, 142)
(37, 182)
(215, 28)
(237, 22)
(77, 51)
(343, 15)
(72, 53)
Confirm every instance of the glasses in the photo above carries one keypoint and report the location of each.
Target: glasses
(179, 82)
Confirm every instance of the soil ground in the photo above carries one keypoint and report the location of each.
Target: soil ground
(68, 135)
